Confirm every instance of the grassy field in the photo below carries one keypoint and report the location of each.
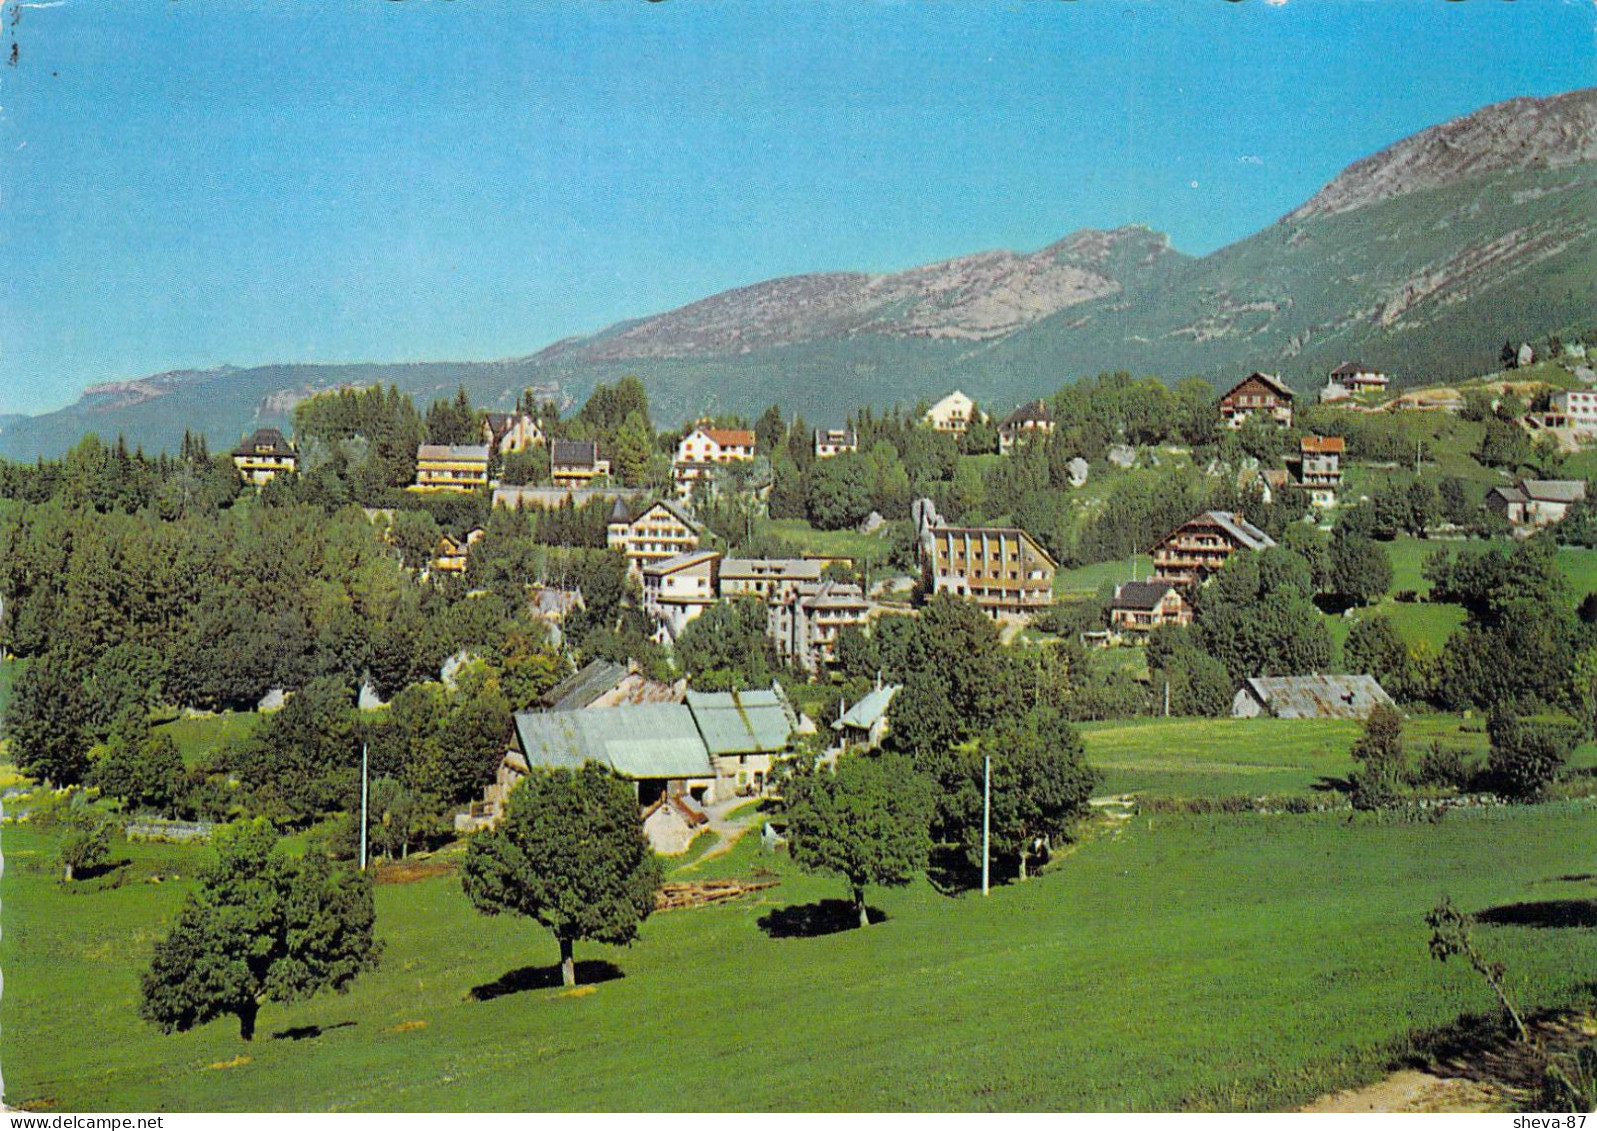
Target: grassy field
(1085, 581)
(195, 737)
(1232, 962)
(805, 539)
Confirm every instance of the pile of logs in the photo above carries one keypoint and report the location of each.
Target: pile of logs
(675, 896)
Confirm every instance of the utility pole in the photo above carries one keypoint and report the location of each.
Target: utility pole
(986, 818)
(363, 794)
(1167, 698)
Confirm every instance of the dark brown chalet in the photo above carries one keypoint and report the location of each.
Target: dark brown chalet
(1261, 393)
(1200, 546)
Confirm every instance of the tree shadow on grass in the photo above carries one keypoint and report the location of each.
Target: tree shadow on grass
(306, 1032)
(1542, 913)
(950, 872)
(589, 972)
(1326, 784)
(811, 920)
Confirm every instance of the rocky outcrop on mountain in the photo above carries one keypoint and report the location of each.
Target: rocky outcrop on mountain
(1522, 133)
(973, 298)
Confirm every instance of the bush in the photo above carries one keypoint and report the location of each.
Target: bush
(1443, 767)
(86, 840)
(1525, 756)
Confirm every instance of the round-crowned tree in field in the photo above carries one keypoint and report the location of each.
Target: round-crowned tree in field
(571, 854)
(261, 927)
(865, 820)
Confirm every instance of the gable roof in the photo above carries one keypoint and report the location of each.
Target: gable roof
(578, 690)
(1033, 411)
(1509, 494)
(728, 437)
(574, 453)
(264, 442)
(1554, 490)
(641, 740)
(869, 710)
(1322, 445)
(1273, 383)
(1241, 530)
(1141, 594)
(743, 722)
(1319, 696)
(681, 562)
(626, 515)
(453, 452)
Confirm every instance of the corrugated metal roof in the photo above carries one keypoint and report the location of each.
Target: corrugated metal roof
(1247, 535)
(1319, 696)
(869, 710)
(743, 722)
(576, 691)
(648, 740)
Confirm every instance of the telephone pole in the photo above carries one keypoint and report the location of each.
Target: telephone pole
(363, 795)
(986, 818)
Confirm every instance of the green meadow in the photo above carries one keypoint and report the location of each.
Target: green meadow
(1234, 962)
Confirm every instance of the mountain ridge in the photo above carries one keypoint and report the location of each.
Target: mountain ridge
(1421, 256)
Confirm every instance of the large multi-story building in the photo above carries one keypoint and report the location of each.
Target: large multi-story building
(1003, 569)
(1575, 409)
(766, 577)
(451, 467)
(1200, 546)
(659, 531)
(1320, 468)
(263, 455)
(676, 590)
(703, 450)
(805, 619)
(954, 413)
(1257, 393)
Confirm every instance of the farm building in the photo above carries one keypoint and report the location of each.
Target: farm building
(604, 684)
(743, 731)
(1536, 502)
(865, 723)
(1309, 697)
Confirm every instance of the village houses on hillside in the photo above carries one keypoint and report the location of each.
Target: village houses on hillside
(576, 463)
(659, 531)
(1257, 393)
(1200, 546)
(451, 467)
(263, 455)
(1003, 569)
(954, 413)
(703, 450)
(1032, 419)
(831, 442)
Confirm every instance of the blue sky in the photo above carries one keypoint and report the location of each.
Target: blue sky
(187, 184)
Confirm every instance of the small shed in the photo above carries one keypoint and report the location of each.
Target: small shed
(1309, 697)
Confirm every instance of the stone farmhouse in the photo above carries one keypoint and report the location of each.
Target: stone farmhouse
(1536, 502)
(1309, 697)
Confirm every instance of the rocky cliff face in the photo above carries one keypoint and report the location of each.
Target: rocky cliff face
(973, 298)
(1520, 134)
